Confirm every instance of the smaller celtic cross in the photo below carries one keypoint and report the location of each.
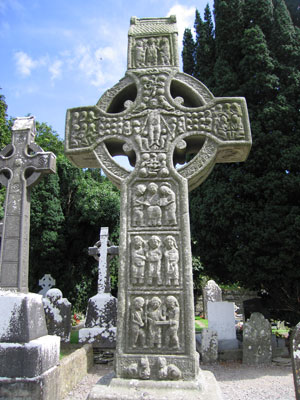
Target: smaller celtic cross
(22, 165)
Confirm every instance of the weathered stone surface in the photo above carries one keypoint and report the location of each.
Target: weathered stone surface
(257, 347)
(221, 319)
(58, 314)
(42, 387)
(211, 292)
(30, 359)
(209, 346)
(295, 355)
(101, 316)
(46, 283)
(22, 317)
(156, 116)
(202, 388)
(22, 165)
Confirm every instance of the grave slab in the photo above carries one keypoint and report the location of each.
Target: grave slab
(211, 292)
(221, 319)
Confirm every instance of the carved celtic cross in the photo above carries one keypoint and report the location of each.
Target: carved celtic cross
(22, 165)
(157, 116)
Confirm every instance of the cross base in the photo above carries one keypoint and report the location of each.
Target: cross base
(204, 387)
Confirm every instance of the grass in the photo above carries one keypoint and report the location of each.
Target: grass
(200, 323)
(66, 349)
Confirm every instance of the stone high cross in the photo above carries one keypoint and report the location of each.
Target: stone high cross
(157, 116)
(103, 254)
(22, 165)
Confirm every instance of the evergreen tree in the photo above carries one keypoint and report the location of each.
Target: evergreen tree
(294, 9)
(188, 52)
(205, 48)
(252, 209)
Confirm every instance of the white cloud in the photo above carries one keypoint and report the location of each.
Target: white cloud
(185, 18)
(55, 69)
(25, 64)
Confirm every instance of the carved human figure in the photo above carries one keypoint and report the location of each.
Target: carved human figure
(154, 130)
(164, 51)
(137, 322)
(138, 260)
(154, 256)
(151, 52)
(171, 256)
(153, 205)
(138, 205)
(144, 368)
(168, 204)
(139, 53)
(173, 315)
(153, 316)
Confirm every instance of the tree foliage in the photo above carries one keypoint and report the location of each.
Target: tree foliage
(247, 225)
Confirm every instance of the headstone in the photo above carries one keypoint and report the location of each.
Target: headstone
(58, 314)
(295, 353)
(209, 346)
(101, 315)
(46, 283)
(221, 319)
(156, 116)
(257, 346)
(27, 354)
(211, 292)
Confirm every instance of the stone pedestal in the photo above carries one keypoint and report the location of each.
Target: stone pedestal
(202, 388)
(28, 355)
(101, 321)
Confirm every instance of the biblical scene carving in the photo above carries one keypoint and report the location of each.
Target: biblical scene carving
(153, 205)
(153, 165)
(154, 323)
(154, 260)
(151, 51)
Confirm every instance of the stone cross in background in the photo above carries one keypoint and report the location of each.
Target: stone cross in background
(101, 314)
(157, 116)
(22, 164)
(46, 283)
(103, 254)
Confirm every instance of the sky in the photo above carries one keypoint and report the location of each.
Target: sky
(60, 54)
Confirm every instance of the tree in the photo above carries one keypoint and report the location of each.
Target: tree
(252, 209)
(188, 52)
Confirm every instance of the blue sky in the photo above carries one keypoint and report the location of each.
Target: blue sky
(59, 54)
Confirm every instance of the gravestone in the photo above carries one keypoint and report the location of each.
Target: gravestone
(27, 354)
(295, 353)
(46, 283)
(257, 346)
(209, 346)
(58, 314)
(222, 320)
(211, 292)
(101, 315)
(156, 116)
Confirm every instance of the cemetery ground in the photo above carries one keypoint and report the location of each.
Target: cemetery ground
(237, 381)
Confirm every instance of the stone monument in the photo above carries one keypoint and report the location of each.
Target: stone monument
(58, 314)
(209, 346)
(295, 353)
(257, 345)
(211, 292)
(157, 116)
(222, 320)
(46, 283)
(101, 316)
(27, 354)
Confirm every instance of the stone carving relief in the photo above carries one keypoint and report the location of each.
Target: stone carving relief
(150, 52)
(154, 261)
(153, 205)
(154, 323)
(153, 165)
(84, 127)
(142, 370)
(168, 372)
(139, 370)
